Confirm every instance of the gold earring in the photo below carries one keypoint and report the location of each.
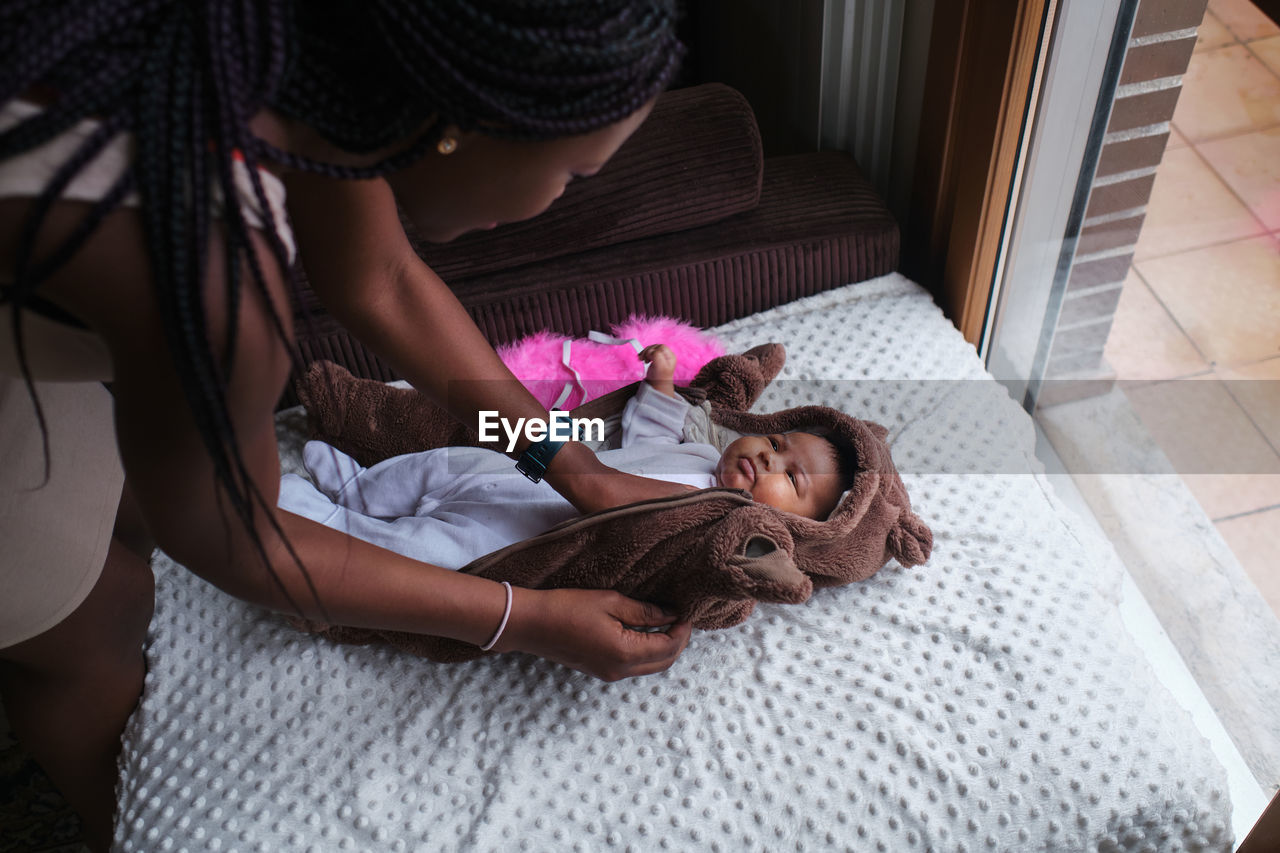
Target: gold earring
(447, 145)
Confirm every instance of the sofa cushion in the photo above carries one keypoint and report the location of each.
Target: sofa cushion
(696, 159)
(819, 225)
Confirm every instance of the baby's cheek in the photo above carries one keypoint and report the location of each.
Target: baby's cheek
(765, 494)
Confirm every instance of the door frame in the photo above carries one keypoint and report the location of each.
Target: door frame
(986, 61)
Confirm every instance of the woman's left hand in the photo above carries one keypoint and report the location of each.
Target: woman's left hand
(600, 632)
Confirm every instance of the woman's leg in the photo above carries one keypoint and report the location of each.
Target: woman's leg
(73, 669)
(69, 691)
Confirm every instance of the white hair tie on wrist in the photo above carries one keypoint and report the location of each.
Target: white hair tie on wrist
(506, 614)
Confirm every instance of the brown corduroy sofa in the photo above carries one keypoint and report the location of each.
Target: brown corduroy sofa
(687, 220)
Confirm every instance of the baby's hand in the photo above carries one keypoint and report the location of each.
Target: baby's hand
(662, 368)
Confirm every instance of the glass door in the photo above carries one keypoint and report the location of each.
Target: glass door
(1075, 214)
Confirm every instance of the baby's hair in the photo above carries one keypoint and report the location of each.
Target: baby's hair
(183, 79)
(842, 453)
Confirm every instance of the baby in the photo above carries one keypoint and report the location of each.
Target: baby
(799, 472)
(452, 505)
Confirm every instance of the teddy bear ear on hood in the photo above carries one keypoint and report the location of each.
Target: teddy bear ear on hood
(910, 540)
(736, 381)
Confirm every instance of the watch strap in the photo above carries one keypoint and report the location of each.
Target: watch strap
(537, 457)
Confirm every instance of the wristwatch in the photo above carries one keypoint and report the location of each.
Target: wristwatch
(536, 457)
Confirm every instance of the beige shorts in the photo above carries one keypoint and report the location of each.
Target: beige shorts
(54, 534)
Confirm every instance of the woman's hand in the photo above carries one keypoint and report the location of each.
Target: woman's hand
(594, 631)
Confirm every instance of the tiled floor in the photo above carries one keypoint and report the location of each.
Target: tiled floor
(1198, 327)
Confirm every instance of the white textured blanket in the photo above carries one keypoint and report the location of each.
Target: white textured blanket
(988, 700)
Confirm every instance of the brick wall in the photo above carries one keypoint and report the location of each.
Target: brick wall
(1164, 34)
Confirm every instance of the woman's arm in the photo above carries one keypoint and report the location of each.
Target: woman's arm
(345, 580)
(361, 264)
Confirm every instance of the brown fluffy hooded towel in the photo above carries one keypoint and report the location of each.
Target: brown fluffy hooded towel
(708, 556)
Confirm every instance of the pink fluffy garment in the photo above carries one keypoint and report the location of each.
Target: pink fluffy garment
(537, 360)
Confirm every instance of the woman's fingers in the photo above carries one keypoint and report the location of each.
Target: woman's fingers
(641, 614)
(656, 637)
(659, 649)
(602, 633)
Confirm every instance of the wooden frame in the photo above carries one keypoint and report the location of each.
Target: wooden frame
(1265, 835)
(980, 91)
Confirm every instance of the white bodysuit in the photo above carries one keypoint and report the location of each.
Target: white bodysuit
(455, 504)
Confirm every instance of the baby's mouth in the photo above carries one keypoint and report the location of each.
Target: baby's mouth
(748, 469)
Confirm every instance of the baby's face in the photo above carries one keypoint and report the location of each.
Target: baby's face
(794, 471)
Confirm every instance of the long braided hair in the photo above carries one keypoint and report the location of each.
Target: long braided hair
(184, 77)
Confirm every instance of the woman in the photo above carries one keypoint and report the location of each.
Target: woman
(148, 152)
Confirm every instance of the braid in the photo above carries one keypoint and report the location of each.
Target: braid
(49, 40)
(184, 88)
(24, 284)
(531, 70)
(184, 79)
(106, 96)
(203, 378)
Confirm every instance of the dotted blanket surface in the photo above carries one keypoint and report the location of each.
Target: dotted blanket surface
(988, 700)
